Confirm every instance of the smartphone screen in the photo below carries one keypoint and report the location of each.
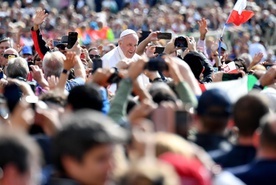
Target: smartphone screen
(72, 39)
(159, 50)
(167, 36)
(97, 63)
(227, 77)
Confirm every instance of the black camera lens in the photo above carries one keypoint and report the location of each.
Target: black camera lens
(180, 42)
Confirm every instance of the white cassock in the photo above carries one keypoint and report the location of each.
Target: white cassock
(116, 55)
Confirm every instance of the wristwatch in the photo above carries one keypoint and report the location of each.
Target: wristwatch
(65, 71)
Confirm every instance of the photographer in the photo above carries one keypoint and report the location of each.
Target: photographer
(191, 56)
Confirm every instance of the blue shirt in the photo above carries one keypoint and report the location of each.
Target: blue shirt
(259, 172)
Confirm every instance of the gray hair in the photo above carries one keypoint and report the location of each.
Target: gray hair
(52, 63)
(247, 58)
(17, 67)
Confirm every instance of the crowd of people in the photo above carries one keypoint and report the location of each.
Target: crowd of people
(129, 97)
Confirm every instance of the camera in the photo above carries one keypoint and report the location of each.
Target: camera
(181, 42)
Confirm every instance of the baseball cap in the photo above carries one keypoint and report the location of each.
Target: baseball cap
(190, 170)
(64, 39)
(214, 98)
(223, 46)
(27, 50)
(98, 126)
(127, 32)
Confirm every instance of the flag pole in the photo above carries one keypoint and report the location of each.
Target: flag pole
(221, 36)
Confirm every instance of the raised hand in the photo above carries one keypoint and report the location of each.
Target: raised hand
(37, 73)
(170, 48)
(203, 29)
(70, 61)
(52, 81)
(150, 51)
(191, 43)
(76, 48)
(18, 47)
(141, 111)
(136, 68)
(153, 36)
(39, 17)
(256, 59)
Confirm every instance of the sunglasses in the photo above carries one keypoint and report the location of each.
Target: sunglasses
(94, 56)
(8, 56)
(38, 59)
(61, 46)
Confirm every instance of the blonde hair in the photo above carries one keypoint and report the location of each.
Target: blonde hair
(149, 173)
(167, 142)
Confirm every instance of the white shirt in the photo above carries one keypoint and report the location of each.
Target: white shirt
(255, 48)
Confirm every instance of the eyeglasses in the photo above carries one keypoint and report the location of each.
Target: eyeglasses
(8, 56)
(38, 59)
(94, 56)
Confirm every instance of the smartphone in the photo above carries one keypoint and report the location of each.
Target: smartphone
(97, 63)
(181, 42)
(144, 35)
(72, 39)
(164, 35)
(29, 65)
(64, 39)
(231, 76)
(156, 64)
(159, 50)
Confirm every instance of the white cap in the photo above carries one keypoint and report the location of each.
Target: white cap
(127, 32)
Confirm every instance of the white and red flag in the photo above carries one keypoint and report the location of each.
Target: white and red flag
(239, 15)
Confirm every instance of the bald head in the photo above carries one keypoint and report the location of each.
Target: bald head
(8, 54)
(11, 51)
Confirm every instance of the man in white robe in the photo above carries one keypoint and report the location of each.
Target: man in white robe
(125, 51)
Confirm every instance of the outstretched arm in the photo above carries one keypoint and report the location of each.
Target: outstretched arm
(39, 43)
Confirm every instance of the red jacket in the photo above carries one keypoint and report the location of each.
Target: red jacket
(39, 43)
